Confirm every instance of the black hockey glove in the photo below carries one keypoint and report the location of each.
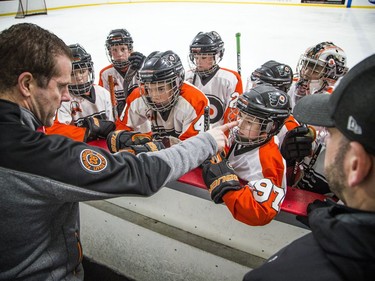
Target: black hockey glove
(119, 140)
(219, 177)
(147, 147)
(297, 144)
(97, 128)
(136, 60)
(312, 206)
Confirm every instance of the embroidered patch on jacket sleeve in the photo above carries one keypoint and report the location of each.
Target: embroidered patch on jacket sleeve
(92, 161)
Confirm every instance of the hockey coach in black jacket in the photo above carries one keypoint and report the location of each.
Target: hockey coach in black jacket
(42, 178)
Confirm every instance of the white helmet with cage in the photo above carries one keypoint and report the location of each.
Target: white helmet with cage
(322, 61)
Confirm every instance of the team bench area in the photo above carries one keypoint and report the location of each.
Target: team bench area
(295, 202)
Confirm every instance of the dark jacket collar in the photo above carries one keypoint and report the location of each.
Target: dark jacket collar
(12, 112)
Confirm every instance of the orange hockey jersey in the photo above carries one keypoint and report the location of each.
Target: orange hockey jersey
(263, 168)
(185, 119)
(222, 89)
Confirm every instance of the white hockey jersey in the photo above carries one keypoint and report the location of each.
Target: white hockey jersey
(185, 119)
(118, 79)
(222, 88)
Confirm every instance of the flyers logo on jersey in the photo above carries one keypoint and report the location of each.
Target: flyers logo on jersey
(92, 161)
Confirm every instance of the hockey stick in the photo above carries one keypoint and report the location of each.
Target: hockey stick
(206, 118)
(111, 84)
(127, 79)
(238, 44)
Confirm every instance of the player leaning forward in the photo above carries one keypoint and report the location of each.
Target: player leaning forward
(43, 178)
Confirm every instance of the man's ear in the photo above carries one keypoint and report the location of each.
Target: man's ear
(359, 164)
(25, 83)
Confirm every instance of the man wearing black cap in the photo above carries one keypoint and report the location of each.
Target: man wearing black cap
(341, 245)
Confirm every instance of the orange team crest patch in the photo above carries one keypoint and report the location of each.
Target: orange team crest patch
(93, 161)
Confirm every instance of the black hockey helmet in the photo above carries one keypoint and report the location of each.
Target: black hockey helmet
(207, 43)
(274, 73)
(164, 68)
(81, 61)
(118, 37)
(265, 106)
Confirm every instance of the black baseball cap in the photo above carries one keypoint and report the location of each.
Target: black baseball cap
(350, 108)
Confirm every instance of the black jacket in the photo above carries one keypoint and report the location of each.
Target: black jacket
(42, 179)
(341, 246)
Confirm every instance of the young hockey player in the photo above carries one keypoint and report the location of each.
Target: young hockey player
(221, 86)
(318, 70)
(174, 108)
(88, 115)
(123, 68)
(253, 157)
(280, 76)
(299, 141)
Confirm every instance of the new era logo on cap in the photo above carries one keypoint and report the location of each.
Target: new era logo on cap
(353, 126)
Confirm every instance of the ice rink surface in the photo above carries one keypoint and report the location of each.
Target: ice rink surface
(278, 32)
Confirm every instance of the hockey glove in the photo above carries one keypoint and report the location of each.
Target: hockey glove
(119, 140)
(168, 141)
(97, 128)
(219, 177)
(147, 147)
(136, 60)
(297, 144)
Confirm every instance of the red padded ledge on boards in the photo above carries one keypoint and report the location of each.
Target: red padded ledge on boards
(295, 202)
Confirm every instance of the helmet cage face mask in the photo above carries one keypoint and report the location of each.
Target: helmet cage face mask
(252, 130)
(323, 61)
(262, 112)
(160, 96)
(82, 71)
(216, 58)
(118, 38)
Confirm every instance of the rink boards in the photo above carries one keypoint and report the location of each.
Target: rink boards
(180, 234)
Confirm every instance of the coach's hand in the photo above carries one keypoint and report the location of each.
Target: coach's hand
(219, 177)
(218, 133)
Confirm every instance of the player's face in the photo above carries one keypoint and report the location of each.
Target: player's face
(160, 93)
(312, 71)
(80, 76)
(204, 61)
(249, 127)
(120, 52)
(44, 102)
